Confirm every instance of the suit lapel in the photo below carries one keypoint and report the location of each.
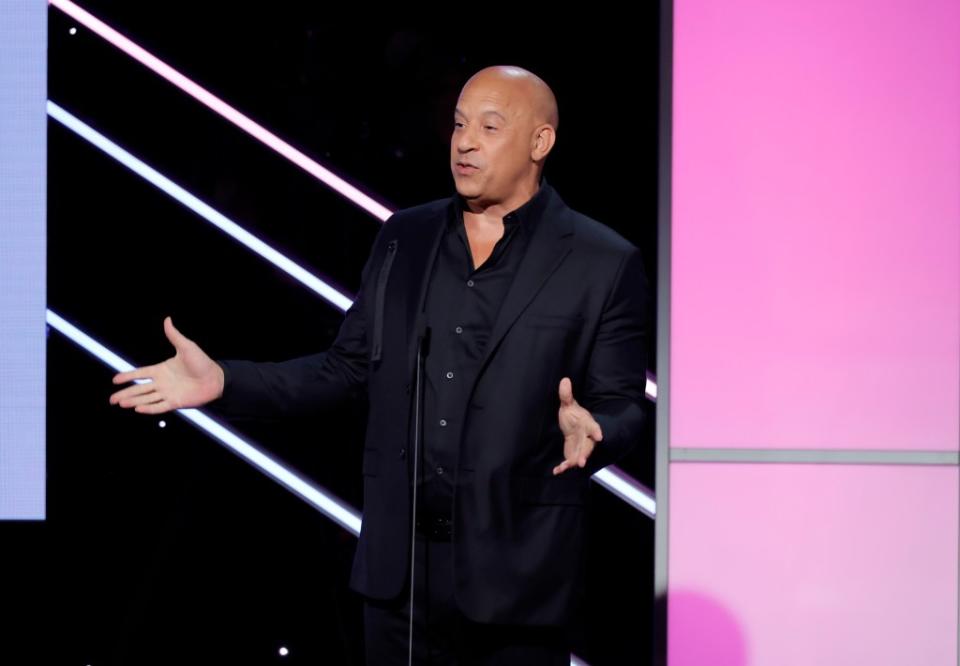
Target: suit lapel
(551, 242)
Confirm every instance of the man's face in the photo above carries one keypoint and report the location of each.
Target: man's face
(490, 149)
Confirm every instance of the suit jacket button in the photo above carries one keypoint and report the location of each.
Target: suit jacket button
(403, 454)
(407, 389)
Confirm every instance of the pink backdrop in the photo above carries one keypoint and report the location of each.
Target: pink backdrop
(815, 304)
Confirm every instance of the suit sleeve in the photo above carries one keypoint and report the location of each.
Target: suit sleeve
(307, 383)
(615, 385)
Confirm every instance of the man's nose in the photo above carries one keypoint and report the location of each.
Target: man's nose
(465, 140)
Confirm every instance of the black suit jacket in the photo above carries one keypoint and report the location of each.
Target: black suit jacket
(578, 307)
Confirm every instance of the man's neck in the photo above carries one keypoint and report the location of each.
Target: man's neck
(496, 211)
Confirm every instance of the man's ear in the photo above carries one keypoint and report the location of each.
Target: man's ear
(544, 138)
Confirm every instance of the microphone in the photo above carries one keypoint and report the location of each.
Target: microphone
(423, 334)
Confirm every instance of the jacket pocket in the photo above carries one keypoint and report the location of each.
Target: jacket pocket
(553, 321)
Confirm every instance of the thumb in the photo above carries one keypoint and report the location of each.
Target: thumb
(566, 391)
(176, 338)
(596, 434)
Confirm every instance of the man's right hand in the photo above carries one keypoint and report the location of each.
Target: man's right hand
(189, 378)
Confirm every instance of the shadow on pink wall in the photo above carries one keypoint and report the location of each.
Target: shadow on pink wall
(702, 631)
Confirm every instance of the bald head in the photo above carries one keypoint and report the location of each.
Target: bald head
(527, 86)
(504, 127)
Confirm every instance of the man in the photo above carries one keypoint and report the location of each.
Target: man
(497, 305)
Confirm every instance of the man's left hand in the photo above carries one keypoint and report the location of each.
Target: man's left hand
(580, 431)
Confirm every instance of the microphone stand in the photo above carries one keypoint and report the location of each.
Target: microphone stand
(423, 343)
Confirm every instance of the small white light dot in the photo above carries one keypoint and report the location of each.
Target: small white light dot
(284, 652)
(73, 31)
(163, 424)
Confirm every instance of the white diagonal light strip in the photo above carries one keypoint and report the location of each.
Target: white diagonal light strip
(202, 209)
(207, 98)
(341, 513)
(628, 489)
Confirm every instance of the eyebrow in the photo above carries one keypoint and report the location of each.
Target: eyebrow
(485, 113)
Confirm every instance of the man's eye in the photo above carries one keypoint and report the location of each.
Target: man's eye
(490, 127)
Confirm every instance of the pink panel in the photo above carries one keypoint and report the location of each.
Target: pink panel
(816, 224)
(796, 565)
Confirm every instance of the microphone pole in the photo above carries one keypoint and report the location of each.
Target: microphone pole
(423, 345)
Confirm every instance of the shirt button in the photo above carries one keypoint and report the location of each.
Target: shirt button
(440, 471)
(443, 422)
(449, 375)
(459, 330)
(469, 283)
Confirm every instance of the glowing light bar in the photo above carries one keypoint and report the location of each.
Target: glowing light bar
(208, 99)
(628, 489)
(339, 512)
(202, 209)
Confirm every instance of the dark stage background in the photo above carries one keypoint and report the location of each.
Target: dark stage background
(161, 547)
